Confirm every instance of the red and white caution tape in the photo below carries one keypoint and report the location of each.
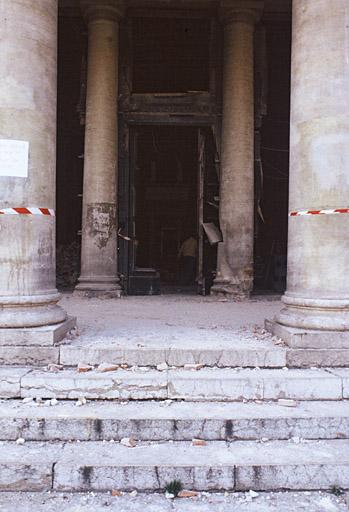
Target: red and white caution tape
(27, 211)
(333, 211)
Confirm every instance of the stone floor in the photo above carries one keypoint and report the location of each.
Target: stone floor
(233, 502)
(170, 317)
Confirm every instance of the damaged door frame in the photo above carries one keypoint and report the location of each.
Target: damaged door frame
(127, 123)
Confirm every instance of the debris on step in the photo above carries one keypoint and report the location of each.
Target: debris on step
(187, 494)
(169, 496)
(130, 442)
(27, 400)
(81, 401)
(133, 493)
(20, 441)
(116, 493)
(162, 367)
(287, 402)
(83, 368)
(194, 367)
(198, 442)
(52, 367)
(107, 367)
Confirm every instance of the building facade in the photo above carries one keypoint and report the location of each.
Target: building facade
(193, 109)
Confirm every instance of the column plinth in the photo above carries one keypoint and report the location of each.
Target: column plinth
(235, 254)
(99, 218)
(28, 63)
(317, 296)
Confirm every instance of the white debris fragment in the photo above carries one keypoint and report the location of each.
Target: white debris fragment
(253, 494)
(193, 367)
(166, 403)
(83, 368)
(130, 442)
(169, 496)
(295, 440)
(162, 367)
(107, 367)
(287, 402)
(53, 401)
(133, 493)
(81, 401)
(20, 440)
(27, 400)
(54, 367)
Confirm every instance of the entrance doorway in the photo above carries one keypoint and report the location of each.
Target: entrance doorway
(173, 193)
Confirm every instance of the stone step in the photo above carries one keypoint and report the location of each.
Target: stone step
(203, 385)
(178, 421)
(223, 349)
(320, 501)
(240, 465)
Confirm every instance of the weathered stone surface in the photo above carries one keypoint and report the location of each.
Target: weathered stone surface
(304, 338)
(211, 350)
(180, 421)
(10, 381)
(306, 466)
(215, 385)
(343, 373)
(27, 467)
(254, 384)
(118, 385)
(213, 502)
(35, 356)
(44, 336)
(306, 358)
(301, 384)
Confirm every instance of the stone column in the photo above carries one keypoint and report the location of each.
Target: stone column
(99, 218)
(317, 297)
(28, 68)
(236, 213)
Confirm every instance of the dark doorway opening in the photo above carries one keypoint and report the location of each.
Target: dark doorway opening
(171, 185)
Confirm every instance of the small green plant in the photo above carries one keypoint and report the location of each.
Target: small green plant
(174, 487)
(337, 491)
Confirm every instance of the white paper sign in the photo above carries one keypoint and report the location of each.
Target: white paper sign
(14, 158)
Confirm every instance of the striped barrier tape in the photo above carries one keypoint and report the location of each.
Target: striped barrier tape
(333, 211)
(27, 211)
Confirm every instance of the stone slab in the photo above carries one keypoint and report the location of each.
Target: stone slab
(302, 338)
(301, 385)
(240, 465)
(32, 356)
(43, 336)
(27, 467)
(209, 384)
(314, 465)
(343, 373)
(120, 384)
(309, 357)
(10, 381)
(210, 351)
(247, 384)
(320, 501)
(181, 421)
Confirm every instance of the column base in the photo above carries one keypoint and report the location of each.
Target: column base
(47, 335)
(226, 289)
(296, 337)
(101, 287)
(31, 311)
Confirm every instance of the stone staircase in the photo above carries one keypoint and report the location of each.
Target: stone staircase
(256, 423)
